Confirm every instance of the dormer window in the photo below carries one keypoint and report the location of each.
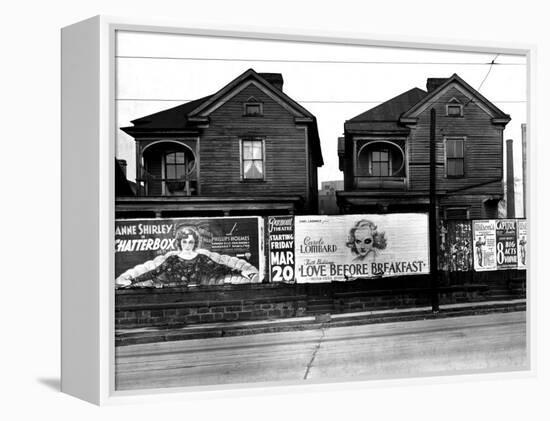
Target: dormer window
(454, 108)
(253, 108)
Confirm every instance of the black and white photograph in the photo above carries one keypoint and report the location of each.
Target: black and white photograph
(290, 210)
(302, 212)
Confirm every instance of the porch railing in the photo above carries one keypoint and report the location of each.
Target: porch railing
(152, 185)
(386, 183)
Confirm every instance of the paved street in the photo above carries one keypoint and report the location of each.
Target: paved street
(489, 342)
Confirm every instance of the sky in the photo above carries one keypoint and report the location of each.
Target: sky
(334, 82)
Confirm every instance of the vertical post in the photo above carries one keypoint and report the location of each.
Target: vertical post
(510, 191)
(433, 218)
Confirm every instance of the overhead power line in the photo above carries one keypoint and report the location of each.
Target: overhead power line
(455, 63)
(484, 79)
(488, 72)
(305, 101)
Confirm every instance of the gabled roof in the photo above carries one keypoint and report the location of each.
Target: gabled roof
(205, 108)
(476, 98)
(187, 117)
(392, 115)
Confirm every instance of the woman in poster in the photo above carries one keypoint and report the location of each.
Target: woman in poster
(189, 266)
(365, 241)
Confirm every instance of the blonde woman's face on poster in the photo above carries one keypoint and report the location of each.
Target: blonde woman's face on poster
(363, 241)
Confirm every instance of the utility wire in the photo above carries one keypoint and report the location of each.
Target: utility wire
(305, 102)
(319, 61)
(489, 71)
(484, 79)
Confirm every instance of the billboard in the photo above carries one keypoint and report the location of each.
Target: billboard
(499, 244)
(188, 251)
(455, 250)
(280, 239)
(484, 239)
(506, 244)
(346, 247)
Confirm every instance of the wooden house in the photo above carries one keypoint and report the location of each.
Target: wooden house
(247, 149)
(385, 157)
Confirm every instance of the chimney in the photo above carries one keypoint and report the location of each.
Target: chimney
(274, 79)
(510, 198)
(122, 163)
(435, 82)
(341, 152)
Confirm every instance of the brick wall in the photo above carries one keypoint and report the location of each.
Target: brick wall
(181, 306)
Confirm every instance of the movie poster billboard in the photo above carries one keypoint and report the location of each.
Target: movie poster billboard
(186, 252)
(280, 245)
(484, 239)
(506, 244)
(522, 243)
(346, 247)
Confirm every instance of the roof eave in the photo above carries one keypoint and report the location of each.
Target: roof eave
(501, 120)
(136, 132)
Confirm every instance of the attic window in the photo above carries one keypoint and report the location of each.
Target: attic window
(253, 109)
(454, 108)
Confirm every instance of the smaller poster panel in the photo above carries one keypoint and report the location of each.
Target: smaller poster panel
(280, 238)
(455, 252)
(506, 244)
(522, 243)
(484, 239)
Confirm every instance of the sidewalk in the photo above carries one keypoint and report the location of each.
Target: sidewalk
(210, 330)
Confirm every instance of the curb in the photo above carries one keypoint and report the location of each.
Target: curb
(124, 337)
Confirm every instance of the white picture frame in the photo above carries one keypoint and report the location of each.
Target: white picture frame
(88, 150)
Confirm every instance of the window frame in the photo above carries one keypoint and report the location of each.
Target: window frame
(253, 103)
(175, 164)
(454, 138)
(446, 209)
(454, 103)
(390, 144)
(189, 165)
(242, 159)
(387, 162)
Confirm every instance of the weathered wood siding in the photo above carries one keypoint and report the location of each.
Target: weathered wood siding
(313, 204)
(482, 150)
(286, 161)
(479, 207)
